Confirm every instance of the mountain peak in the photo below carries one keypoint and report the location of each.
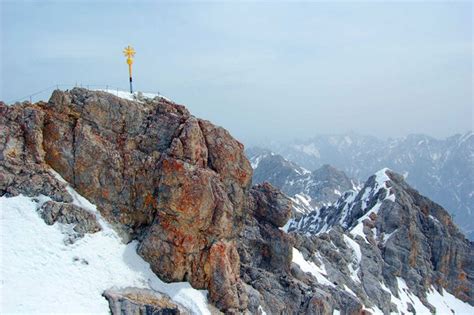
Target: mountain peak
(384, 175)
(413, 234)
(309, 190)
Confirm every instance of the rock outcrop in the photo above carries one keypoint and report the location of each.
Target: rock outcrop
(272, 280)
(82, 220)
(176, 183)
(22, 167)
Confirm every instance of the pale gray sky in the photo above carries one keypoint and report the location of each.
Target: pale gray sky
(263, 70)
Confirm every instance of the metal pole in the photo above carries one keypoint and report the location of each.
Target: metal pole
(130, 75)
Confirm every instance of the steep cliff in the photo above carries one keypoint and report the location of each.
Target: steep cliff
(176, 183)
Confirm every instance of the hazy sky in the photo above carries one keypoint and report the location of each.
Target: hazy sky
(263, 70)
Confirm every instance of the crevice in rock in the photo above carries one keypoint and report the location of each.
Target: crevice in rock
(209, 159)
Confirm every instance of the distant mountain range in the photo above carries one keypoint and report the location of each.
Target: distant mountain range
(440, 169)
(308, 190)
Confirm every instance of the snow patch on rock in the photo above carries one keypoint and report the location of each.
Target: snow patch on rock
(307, 266)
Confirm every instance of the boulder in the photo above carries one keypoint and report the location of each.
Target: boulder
(136, 301)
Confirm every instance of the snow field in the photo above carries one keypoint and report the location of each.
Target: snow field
(41, 274)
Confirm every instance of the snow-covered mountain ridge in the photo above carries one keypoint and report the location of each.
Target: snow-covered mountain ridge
(441, 169)
(353, 205)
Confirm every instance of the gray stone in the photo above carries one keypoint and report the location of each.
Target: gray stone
(135, 301)
(67, 213)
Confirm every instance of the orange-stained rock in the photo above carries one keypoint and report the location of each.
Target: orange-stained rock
(176, 183)
(225, 285)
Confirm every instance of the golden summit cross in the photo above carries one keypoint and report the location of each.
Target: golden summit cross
(129, 52)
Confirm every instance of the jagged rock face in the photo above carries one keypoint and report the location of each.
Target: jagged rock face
(270, 204)
(175, 182)
(400, 234)
(21, 155)
(346, 273)
(265, 245)
(23, 171)
(272, 280)
(425, 246)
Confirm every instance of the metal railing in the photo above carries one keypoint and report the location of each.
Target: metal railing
(37, 96)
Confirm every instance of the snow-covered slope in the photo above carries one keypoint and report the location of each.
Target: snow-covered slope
(405, 301)
(43, 274)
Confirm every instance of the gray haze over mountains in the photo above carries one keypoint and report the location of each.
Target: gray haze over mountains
(443, 170)
(262, 70)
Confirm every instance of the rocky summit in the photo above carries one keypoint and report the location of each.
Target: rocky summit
(178, 191)
(175, 183)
